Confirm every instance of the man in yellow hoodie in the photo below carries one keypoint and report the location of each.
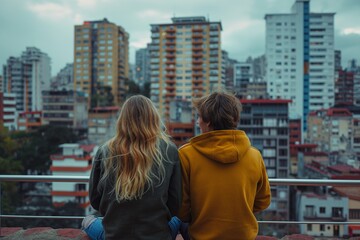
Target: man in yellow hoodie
(224, 177)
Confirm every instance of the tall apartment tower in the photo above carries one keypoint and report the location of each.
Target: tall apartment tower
(27, 76)
(101, 52)
(243, 75)
(300, 59)
(185, 60)
(142, 66)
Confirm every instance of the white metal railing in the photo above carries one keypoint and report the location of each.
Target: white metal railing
(273, 182)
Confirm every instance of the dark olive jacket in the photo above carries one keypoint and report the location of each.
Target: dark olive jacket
(145, 218)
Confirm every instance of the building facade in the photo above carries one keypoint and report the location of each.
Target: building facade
(29, 121)
(344, 87)
(102, 124)
(300, 59)
(101, 62)
(243, 75)
(266, 122)
(27, 76)
(331, 129)
(8, 111)
(74, 160)
(65, 108)
(323, 208)
(142, 67)
(185, 60)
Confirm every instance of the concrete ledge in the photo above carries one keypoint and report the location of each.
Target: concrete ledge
(46, 233)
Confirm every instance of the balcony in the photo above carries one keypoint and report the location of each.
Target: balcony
(197, 54)
(170, 75)
(197, 81)
(170, 36)
(168, 43)
(197, 35)
(197, 61)
(170, 88)
(170, 62)
(197, 48)
(197, 74)
(170, 30)
(170, 81)
(197, 30)
(197, 67)
(170, 55)
(76, 233)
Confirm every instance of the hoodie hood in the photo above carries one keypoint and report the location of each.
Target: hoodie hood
(224, 146)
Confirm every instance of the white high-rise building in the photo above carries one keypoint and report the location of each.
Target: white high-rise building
(27, 76)
(300, 59)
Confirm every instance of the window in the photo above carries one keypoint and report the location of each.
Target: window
(322, 227)
(322, 210)
(309, 227)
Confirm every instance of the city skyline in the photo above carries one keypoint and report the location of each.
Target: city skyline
(50, 24)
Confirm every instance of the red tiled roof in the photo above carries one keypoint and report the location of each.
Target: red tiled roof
(350, 192)
(342, 168)
(88, 148)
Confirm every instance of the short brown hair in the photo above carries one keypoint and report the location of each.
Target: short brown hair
(220, 109)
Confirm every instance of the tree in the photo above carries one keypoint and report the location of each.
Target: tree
(8, 165)
(34, 149)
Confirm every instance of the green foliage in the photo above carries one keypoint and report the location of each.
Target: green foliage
(34, 149)
(133, 88)
(102, 97)
(146, 90)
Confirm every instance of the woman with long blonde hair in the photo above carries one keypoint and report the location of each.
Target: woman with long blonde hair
(135, 182)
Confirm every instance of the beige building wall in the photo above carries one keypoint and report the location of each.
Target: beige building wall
(185, 58)
(101, 51)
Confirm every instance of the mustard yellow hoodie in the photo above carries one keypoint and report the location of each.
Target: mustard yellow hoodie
(224, 184)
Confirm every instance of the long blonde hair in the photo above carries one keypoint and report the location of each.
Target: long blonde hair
(135, 150)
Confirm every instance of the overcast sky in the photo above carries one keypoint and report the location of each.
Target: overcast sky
(49, 24)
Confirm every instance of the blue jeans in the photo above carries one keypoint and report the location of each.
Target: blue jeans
(96, 230)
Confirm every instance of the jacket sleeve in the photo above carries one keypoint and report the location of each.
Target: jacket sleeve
(185, 212)
(263, 194)
(94, 194)
(174, 192)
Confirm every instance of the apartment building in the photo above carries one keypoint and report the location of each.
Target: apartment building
(331, 129)
(353, 194)
(142, 66)
(101, 62)
(8, 112)
(328, 207)
(29, 121)
(344, 87)
(243, 75)
(185, 61)
(102, 124)
(65, 108)
(74, 160)
(27, 76)
(266, 122)
(300, 59)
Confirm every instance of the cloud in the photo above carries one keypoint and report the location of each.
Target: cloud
(86, 3)
(348, 31)
(151, 14)
(50, 10)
